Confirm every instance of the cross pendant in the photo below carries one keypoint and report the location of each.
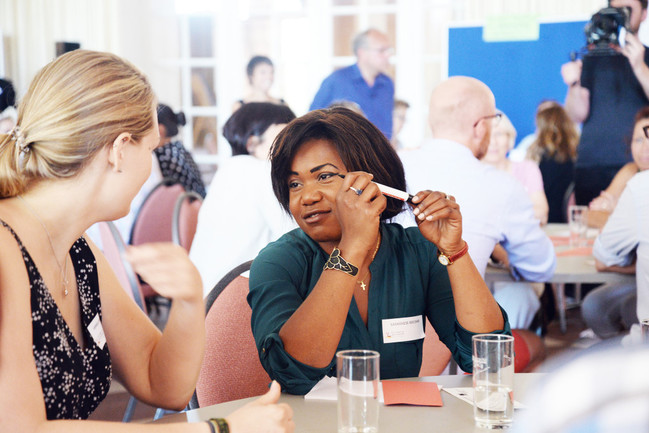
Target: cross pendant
(363, 286)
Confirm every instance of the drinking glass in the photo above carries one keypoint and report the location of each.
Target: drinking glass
(644, 325)
(358, 387)
(493, 380)
(578, 224)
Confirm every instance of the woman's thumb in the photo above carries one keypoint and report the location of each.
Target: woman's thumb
(272, 395)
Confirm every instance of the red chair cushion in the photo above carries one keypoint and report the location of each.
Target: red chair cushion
(231, 368)
(521, 351)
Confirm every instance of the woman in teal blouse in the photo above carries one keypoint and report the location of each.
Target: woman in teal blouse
(348, 279)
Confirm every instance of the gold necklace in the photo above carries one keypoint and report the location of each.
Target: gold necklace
(361, 282)
(62, 269)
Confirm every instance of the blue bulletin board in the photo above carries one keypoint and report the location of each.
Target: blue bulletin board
(520, 73)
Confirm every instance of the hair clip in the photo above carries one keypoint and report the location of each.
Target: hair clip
(19, 138)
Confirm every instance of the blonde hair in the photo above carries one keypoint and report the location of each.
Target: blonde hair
(75, 106)
(507, 126)
(557, 136)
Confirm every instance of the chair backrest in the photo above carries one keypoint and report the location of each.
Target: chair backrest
(435, 354)
(231, 369)
(568, 200)
(153, 220)
(114, 248)
(185, 218)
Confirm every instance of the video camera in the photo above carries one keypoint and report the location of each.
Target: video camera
(606, 28)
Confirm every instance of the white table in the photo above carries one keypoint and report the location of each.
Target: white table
(570, 269)
(319, 416)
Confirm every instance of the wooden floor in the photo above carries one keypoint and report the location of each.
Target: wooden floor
(113, 407)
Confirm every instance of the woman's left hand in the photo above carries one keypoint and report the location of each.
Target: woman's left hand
(439, 219)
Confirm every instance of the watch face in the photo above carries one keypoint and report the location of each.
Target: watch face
(443, 260)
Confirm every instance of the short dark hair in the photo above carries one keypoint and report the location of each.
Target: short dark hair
(170, 120)
(255, 61)
(360, 144)
(253, 119)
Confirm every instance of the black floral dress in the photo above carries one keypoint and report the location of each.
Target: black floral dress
(74, 379)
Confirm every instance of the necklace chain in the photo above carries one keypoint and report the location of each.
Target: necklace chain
(62, 269)
(376, 250)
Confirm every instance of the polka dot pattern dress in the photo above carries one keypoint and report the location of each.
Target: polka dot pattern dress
(177, 163)
(74, 379)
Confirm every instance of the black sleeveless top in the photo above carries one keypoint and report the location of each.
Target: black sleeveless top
(74, 380)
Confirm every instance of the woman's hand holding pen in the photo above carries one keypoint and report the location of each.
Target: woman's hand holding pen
(439, 219)
(359, 204)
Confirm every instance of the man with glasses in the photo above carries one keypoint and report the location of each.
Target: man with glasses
(495, 207)
(604, 92)
(364, 82)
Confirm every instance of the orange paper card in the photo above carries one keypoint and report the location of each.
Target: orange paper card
(581, 251)
(560, 240)
(416, 393)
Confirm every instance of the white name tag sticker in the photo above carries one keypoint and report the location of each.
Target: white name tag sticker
(403, 329)
(97, 332)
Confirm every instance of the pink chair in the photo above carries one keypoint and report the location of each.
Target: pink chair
(153, 220)
(231, 369)
(114, 248)
(185, 219)
(153, 223)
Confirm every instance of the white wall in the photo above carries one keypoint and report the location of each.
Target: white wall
(147, 32)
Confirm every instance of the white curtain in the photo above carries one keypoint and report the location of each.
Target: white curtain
(142, 31)
(30, 29)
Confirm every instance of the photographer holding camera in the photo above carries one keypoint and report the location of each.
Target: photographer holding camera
(605, 90)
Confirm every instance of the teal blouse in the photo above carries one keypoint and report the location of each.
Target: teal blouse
(407, 280)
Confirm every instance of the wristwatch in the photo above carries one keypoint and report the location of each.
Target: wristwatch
(447, 260)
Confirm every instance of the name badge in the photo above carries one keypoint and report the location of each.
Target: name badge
(97, 332)
(403, 329)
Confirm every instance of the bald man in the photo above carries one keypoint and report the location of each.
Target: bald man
(495, 207)
(366, 82)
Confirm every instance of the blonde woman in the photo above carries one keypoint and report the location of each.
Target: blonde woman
(78, 155)
(503, 137)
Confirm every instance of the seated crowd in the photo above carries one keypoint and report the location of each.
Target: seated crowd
(336, 260)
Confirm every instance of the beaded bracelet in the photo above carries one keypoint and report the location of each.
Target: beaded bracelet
(219, 425)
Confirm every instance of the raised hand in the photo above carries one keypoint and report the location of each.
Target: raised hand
(439, 219)
(571, 72)
(359, 204)
(634, 51)
(167, 269)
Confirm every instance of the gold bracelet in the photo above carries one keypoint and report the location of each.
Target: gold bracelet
(337, 262)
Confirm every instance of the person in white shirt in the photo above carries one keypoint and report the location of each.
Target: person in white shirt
(495, 208)
(240, 214)
(625, 239)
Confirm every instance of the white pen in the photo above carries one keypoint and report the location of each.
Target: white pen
(390, 192)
